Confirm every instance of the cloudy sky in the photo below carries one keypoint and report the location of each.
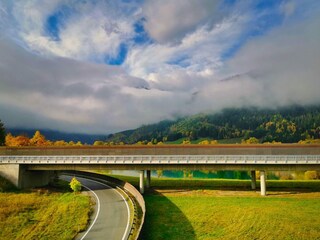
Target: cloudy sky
(100, 66)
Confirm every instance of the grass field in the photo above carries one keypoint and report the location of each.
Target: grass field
(42, 214)
(228, 209)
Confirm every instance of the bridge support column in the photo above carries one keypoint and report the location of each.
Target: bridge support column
(141, 184)
(263, 183)
(253, 180)
(148, 184)
(22, 178)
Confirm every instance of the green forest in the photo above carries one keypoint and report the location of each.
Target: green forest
(286, 125)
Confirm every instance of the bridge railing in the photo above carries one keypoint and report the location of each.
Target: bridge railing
(163, 159)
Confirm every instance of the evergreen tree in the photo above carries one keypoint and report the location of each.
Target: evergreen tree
(2, 134)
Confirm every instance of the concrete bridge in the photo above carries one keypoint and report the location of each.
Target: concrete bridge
(33, 166)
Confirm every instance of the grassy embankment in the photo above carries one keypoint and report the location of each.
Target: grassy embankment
(42, 213)
(228, 209)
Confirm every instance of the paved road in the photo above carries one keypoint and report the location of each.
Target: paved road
(111, 216)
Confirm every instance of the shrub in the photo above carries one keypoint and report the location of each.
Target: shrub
(75, 185)
(311, 175)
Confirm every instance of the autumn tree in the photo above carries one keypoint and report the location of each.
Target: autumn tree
(159, 173)
(2, 134)
(60, 143)
(75, 185)
(98, 143)
(38, 139)
(204, 142)
(18, 141)
(311, 175)
(251, 140)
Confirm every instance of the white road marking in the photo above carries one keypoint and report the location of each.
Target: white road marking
(128, 209)
(98, 211)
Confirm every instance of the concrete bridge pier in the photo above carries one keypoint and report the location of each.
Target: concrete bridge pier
(22, 178)
(263, 183)
(141, 182)
(253, 180)
(148, 183)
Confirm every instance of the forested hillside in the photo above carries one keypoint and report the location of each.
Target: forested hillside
(286, 125)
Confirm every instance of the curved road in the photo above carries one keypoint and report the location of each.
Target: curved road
(111, 216)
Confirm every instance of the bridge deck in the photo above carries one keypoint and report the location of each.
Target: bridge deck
(219, 149)
(278, 157)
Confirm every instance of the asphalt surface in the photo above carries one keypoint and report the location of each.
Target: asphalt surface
(110, 219)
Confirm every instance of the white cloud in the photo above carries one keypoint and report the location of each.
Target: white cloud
(169, 21)
(188, 64)
(184, 71)
(87, 30)
(288, 8)
(284, 62)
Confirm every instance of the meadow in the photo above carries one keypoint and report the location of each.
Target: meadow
(228, 209)
(45, 213)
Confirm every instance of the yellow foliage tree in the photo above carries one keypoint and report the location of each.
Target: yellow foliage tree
(204, 142)
(38, 139)
(60, 143)
(18, 141)
(186, 142)
(75, 185)
(311, 175)
(98, 143)
(251, 140)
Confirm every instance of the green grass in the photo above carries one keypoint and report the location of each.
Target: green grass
(197, 216)
(43, 214)
(228, 209)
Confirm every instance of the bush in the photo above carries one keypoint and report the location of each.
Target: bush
(311, 175)
(75, 185)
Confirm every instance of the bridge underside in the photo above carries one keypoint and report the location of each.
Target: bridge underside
(22, 177)
(262, 168)
(35, 175)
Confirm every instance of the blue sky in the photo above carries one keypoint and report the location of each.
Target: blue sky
(107, 65)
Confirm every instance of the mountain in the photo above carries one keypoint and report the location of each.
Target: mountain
(56, 135)
(287, 124)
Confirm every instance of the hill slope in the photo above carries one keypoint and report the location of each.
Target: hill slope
(289, 124)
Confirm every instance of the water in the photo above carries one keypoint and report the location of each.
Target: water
(188, 174)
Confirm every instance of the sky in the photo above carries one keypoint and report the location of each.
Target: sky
(102, 66)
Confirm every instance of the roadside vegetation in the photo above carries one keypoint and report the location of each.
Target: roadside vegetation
(228, 209)
(46, 213)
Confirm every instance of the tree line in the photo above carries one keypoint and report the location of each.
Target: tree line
(286, 125)
(38, 140)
